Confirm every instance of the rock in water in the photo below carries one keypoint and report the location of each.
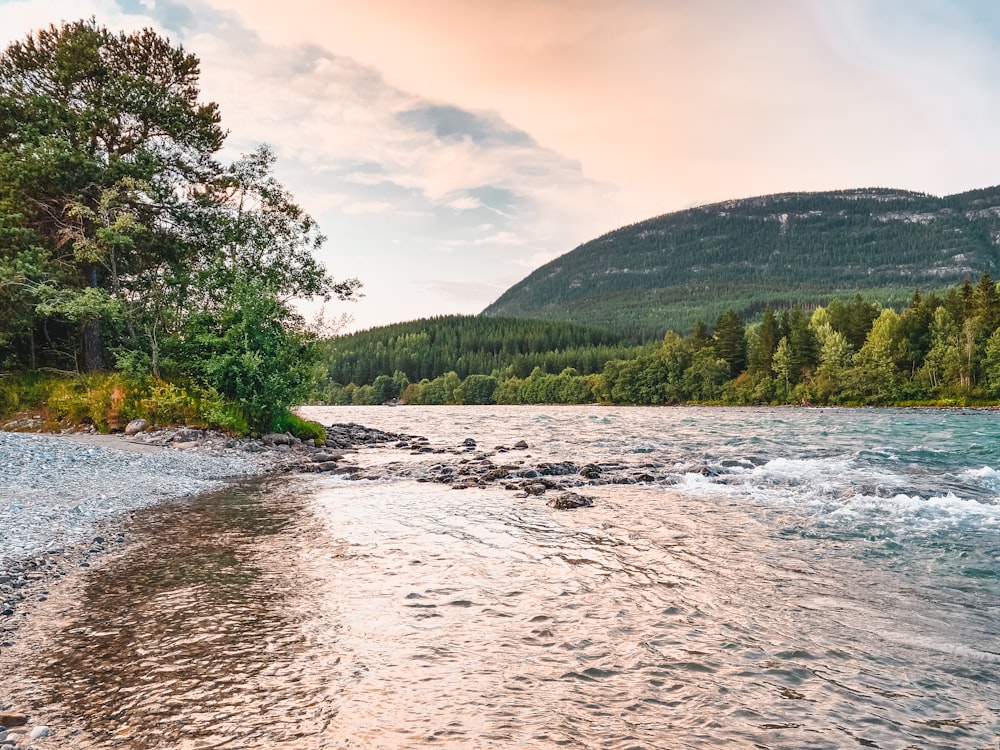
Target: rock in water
(569, 500)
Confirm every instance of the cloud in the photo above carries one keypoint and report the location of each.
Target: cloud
(464, 203)
(452, 123)
(367, 207)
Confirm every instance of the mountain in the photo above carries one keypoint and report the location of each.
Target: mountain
(673, 270)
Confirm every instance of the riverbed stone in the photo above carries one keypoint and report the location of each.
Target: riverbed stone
(559, 468)
(9, 720)
(39, 732)
(569, 500)
(136, 426)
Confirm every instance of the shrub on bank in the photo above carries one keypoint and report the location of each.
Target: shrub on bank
(111, 401)
(301, 428)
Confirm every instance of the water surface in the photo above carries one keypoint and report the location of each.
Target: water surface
(793, 579)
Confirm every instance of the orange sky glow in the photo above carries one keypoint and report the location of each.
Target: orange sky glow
(448, 148)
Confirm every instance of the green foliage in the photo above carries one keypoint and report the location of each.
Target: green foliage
(303, 429)
(779, 250)
(467, 345)
(253, 352)
(110, 401)
(477, 389)
(122, 234)
(920, 355)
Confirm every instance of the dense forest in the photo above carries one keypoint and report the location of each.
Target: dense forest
(128, 249)
(467, 345)
(938, 349)
(779, 250)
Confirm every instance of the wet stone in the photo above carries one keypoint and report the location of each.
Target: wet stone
(569, 500)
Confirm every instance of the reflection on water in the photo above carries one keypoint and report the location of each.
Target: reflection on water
(197, 636)
(313, 612)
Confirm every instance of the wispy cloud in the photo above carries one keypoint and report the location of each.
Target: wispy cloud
(406, 130)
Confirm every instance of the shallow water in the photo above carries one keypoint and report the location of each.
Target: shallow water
(794, 579)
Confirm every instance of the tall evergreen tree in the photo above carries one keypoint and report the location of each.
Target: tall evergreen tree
(730, 342)
(767, 342)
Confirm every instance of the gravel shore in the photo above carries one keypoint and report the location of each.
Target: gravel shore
(54, 490)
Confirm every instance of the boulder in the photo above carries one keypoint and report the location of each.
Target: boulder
(136, 426)
(276, 438)
(561, 468)
(569, 500)
(324, 456)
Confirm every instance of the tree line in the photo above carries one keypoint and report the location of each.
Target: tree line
(467, 345)
(939, 348)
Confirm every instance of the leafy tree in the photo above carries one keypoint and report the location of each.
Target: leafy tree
(704, 378)
(784, 364)
(100, 135)
(384, 389)
(878, 359)
(125, 224)
(991, 365)
(477, 389)
(836, 357)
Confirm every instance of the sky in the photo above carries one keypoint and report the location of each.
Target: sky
(449, 147)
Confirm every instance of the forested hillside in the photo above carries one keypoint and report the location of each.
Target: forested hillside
(938, 349)
(795, 248)
(468, 344)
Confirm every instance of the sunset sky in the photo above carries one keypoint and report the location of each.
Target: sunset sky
(449, 147)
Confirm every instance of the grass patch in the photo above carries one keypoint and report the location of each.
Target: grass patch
(301, 428)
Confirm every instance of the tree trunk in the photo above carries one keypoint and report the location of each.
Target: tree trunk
(93, 346)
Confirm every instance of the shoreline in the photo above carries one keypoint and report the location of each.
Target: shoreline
(66, 499)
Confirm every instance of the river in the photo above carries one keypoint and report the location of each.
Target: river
(784, 578)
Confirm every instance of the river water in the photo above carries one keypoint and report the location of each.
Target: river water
(790, 578)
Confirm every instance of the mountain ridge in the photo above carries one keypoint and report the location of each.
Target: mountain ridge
(779, 249)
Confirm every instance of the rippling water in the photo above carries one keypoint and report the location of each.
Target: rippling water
(792, 579)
